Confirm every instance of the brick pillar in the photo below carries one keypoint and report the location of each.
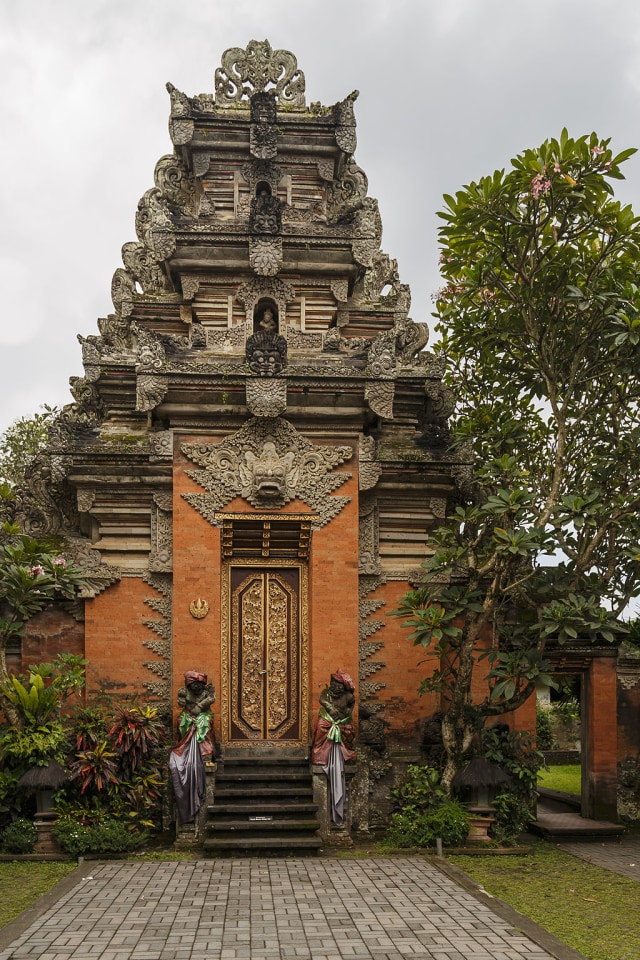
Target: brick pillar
(600, 741)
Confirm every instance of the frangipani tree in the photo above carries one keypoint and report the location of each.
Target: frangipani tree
(540, 323)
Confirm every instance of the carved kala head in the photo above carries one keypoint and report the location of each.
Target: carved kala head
(269, 471)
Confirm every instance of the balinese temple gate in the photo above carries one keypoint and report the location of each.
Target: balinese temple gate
(257, 451)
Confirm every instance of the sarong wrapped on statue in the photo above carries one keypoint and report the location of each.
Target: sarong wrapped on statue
(332, 747)
(186, 764)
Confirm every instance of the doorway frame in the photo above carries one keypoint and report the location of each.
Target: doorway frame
(265, 564)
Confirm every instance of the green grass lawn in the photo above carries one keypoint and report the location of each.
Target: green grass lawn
(589, 908)
(22, 882)
(565, 777)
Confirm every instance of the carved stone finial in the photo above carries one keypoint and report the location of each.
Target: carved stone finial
(244, 72)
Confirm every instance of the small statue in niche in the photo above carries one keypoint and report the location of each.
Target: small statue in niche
(266, 349)
(186, 761)
(333, 741)
(265, 216)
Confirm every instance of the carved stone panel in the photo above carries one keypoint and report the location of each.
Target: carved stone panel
(266, 398)
(369, 469)
(380, 396)
(368, 543)
(265, 255)
(255, 69)
(268, 463)
(280, 291)
(161, 554)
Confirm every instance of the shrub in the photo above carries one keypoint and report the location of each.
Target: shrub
(106, 836)
(19, 837)
(513, 816)
(421, 789)
(411, 827)
(544, 733)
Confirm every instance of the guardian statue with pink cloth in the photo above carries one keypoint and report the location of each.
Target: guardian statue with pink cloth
(333, 741)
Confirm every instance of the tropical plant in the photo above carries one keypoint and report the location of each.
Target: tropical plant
(410, 827)
(540, 324)
(32, 575)
(106, 836)
(96, 769)
(136, 735)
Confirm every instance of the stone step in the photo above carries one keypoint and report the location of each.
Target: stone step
(224, 792)
(255, 826)
(229, 845)
(285, 808)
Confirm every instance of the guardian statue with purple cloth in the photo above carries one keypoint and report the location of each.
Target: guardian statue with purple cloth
(333, 741)
(186, 762)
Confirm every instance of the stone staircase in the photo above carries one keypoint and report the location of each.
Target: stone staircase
(262, 807)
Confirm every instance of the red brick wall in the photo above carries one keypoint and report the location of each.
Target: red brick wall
(49, 633)
(115, 633)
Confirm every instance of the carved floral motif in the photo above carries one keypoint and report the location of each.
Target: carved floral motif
(244, 71)
(265, 255)
(266, 398)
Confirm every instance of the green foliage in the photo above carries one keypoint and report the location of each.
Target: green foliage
(412, 827)
(19, 837)
(425, 812)
(95, 769)
(513, 814)
(544, 732)
(20, 443)
(420, 789)
(515, 753)
(35, 745)
(566, 711)
(106, 836)
(539, 319)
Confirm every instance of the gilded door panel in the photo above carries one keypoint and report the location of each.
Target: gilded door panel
(264, 654)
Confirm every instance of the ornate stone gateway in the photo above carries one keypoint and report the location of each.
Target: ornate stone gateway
(265, 655)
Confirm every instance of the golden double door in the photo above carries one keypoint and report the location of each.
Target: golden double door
(265, 654)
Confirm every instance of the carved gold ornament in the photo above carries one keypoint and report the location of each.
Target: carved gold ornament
(199, 608)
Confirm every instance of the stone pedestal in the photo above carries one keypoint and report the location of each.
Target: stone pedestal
(332, 834)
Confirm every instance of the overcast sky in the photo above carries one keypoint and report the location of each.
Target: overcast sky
(449, 90)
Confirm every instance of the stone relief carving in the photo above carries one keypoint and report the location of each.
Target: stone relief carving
(265, 255)
(280, 291)
(161, 445)
(190, 286)
(265, 215)
(144, 268)
(325, 169)
(154, 226)
(201, 165)
(181, 124)
(383, 272)
(382, 355)
(244, 71)
(345, 121)
(266, 398)
(356, 348)
(411, 339)
(85, 500)
(367, 225)
(340, 290)
(263, 141)
(180, 103)
(150, 353)
(123, 291)
(380, 396)
(97, 575)
(231, 339)
(115, 333)
(179, 188)
(347, 195)
(369, 469)
(262, 171)
(268, 463)
(439, 405)
(266, 349)
(368, 539)
(161, 553)
(162, 583)
(150, 391)
(300, 340)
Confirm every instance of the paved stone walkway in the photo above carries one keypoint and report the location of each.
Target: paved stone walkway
(622, 856)
(320, 909)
